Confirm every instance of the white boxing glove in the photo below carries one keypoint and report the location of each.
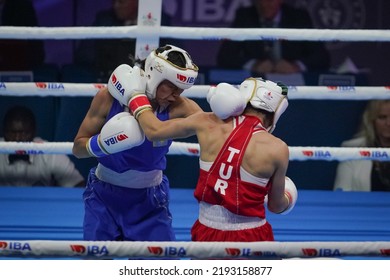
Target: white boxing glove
(291, 192)
(226, 101)
(125, 82)
(120, 133)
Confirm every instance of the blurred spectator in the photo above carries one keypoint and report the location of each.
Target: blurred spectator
(281, 56)
(33, 170)
(19, 55)
(107, 54)
(367, 175)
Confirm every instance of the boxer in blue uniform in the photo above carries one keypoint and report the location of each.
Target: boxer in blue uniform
(127, 194)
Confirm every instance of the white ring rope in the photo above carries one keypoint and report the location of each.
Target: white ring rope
(193, 149)
(179, 148)
(194, 33)
(197, 91)
(200, 250)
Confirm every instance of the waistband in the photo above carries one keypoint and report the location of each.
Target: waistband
(130, 179)
(218, 217)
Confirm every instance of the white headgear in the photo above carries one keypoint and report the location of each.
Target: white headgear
(158, 68)
(266, 95)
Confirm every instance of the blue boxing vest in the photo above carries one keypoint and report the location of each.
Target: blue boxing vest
(146, 157)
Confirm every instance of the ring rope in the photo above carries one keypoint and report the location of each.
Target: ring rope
(104, 249)
(200, 250)
(198, 33)
(193, 149)
(197, 91)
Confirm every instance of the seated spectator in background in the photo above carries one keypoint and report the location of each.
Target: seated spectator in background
(19, 55)
(367, 175)
(33, 170)
(106, 54)
(282, 56)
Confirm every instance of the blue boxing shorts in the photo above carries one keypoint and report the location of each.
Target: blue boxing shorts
(124, 214)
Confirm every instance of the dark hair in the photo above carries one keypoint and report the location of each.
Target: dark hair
(175, 57)
(19, 113)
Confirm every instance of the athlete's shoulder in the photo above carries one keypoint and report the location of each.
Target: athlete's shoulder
(272, 142)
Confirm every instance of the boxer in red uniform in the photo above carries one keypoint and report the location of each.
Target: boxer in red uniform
(241, 163)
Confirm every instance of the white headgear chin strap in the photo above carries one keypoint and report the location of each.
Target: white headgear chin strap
(266, 95)
(158, 68)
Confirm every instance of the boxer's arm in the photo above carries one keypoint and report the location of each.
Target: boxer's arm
(92, 122)
(183, 107)
(156, 130)
(277, 200)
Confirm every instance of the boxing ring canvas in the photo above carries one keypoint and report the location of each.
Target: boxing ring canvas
(52, 213)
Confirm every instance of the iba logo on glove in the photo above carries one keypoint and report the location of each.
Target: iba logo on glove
(117, 84)
(115, 139)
